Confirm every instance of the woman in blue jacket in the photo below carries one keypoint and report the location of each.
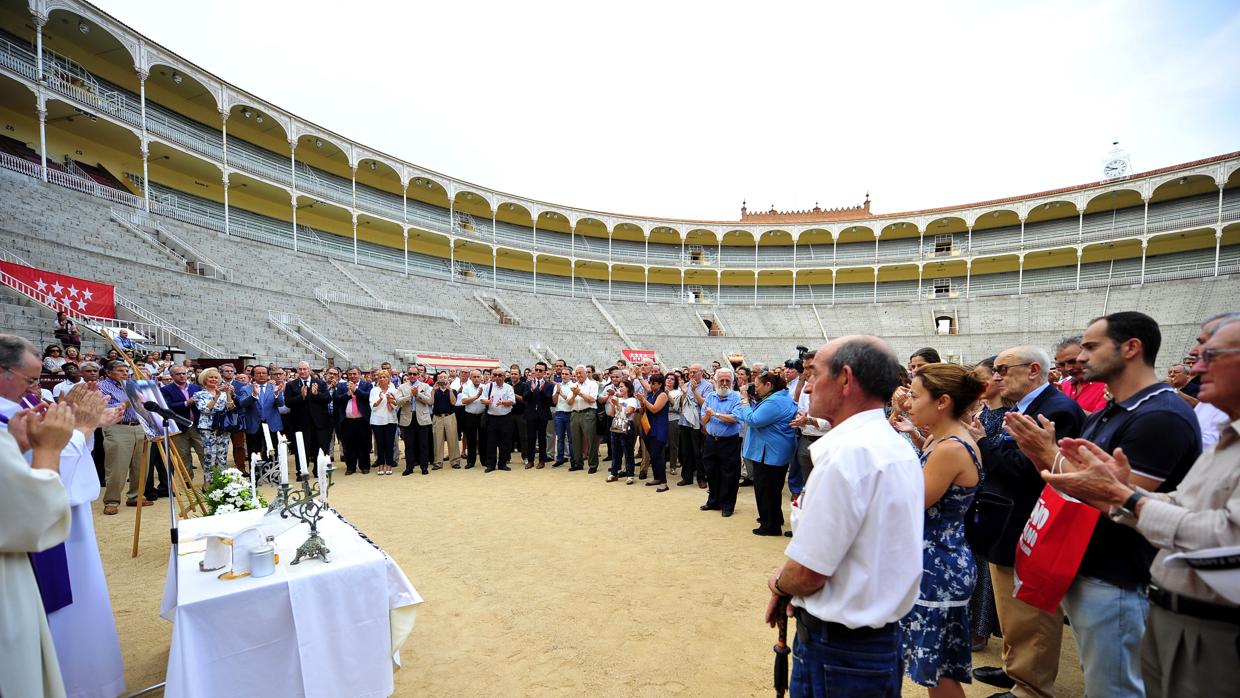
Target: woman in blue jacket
(769, 447)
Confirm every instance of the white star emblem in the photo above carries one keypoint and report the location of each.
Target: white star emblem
(41, 284)
(81, 305)
(87, 294)
(57, 289)
(73, 291)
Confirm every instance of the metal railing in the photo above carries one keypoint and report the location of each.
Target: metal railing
(328, 297)
(202, 264)
(284, 323)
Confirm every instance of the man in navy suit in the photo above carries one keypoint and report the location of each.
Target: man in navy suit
(262, 405)
(1031, 637)
(352, 406)
(307, 398)
(179, 394)
(538, 402)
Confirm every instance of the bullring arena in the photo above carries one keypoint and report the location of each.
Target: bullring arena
(233, 230)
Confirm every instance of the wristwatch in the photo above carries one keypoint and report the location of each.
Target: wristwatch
(1129, 508)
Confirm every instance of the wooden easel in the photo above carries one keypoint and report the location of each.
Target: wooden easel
(181, 486)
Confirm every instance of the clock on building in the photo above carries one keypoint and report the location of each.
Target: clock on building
(1116, 165)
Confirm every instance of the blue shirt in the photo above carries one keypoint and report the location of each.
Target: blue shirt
(1160, 435)
(1024, 402)
(115, 393)
(771, 439)
(722, 405)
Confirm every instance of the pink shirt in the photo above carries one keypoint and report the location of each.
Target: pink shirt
(1090, 395)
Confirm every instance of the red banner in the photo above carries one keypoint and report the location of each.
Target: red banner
(69, 293)
(636, 356)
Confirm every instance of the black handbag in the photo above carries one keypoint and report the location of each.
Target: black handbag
(984, 522)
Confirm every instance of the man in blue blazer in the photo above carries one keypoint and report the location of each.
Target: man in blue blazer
(262, 405)
(352, 407)
(538, 405)
(1031, 637)
(179, 394)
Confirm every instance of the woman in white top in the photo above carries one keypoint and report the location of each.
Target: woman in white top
(53, 359)
(621, 444)
(675, 401)
(383, 421)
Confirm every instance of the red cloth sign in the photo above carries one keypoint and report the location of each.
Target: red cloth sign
(68, 293)
(636, 356)
(1050, 548)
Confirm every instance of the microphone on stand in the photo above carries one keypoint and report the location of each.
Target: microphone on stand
(156, 408)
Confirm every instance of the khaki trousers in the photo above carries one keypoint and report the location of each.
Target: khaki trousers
(187, 443)
(443, 430)
(122, 460)
(1187, 657)
(1031, 639)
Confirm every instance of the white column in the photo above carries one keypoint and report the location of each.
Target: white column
(1145, 222)
(492, 227)
(404, 203)
(292, 168)
(921, 244)
(1218, 232)
(1144, 243)
(1080, 227)
(224, 183)
(835, 241)
(920, 271)
(1022, 233)
(572, 278)
(682, 274)
(968, 277)
(1079, 253)
(834, 272)
(794, 271)
(534, 221)
(39, 21)
(969, 245)
(452, 259)
(406, 236)
(41, 105)
(647, 290)
(493, 267)
(1020, 273)
(146, 179)
(755, 288)
(224, 135)
(572, 242)
(535, 258)
(451, 216)
(353, 179)
(875, 283)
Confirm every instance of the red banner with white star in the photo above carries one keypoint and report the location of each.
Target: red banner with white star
(69, 293)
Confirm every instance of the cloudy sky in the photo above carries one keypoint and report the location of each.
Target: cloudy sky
(685, 109)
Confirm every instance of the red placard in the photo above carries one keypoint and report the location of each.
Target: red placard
(636, 356)
(68, 293)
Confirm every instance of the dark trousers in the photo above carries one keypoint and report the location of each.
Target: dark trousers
(156, 469)
(355, 442)
(520, 435)
(417, 440)
(829, 659)
(768, 494)
(385, 444)
(657, 448)
(536, 439)
(621, 451)
(691, 455)
(499, 440)
(803, 461)
(468, 424)
(319, 438)
(255, 443)
(721, 458)
(96, 454)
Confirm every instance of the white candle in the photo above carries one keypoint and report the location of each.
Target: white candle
(301, 454)
(283, 457)
(267, 437)
(254, 461)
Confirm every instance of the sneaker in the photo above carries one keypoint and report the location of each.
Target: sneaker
(456, 466)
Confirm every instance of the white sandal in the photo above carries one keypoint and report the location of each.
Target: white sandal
(629, 481)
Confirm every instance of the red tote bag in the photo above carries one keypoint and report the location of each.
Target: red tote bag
(1050, 548)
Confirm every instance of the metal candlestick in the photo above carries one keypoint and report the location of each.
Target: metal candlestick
(304, 504)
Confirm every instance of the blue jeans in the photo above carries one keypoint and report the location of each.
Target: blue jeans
(563, 443)
(1108, 623)
(795, 481)
(835, 662)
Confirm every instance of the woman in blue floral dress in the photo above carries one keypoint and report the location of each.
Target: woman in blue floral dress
(936, 633)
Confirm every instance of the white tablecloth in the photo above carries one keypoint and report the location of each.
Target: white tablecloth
(315, 629)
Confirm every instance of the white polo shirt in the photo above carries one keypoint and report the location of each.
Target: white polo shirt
(860, 524)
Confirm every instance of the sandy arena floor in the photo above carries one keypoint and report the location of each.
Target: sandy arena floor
(539, 582)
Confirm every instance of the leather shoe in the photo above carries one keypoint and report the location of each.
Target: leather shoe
(726, 514)
(684, 483)
(993, 676)
(707, 507)
(504, 467)
(407, 471)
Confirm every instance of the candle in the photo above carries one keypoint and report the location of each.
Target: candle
(254, 461)
(267, 438)
(283, 457)
(301, 454)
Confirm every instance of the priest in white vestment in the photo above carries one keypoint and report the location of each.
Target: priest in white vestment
(85, 630)
(34, 516)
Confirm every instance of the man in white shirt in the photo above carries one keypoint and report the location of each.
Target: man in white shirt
(471, 417)
(562, 411)
(584, 392)
(854, 563)
(498, 397)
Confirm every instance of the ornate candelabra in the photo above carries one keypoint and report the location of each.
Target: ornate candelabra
(305, 505)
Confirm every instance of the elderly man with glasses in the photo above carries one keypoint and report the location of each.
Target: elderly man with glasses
(122, 443)
(1031, 637)
(499, 398)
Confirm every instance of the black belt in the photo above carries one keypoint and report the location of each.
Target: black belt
(133, 423)
(721, 438)
(1188, 606)
(808, 624)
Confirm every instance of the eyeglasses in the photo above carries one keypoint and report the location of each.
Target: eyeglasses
(1209, 355)
(1002, 369)
(28, 379)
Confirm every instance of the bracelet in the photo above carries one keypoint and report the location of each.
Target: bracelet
(777, 588)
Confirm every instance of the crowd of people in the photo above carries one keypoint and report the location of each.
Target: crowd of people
(910, 483)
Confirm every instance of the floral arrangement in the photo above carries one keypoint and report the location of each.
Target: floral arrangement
(229, 492)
